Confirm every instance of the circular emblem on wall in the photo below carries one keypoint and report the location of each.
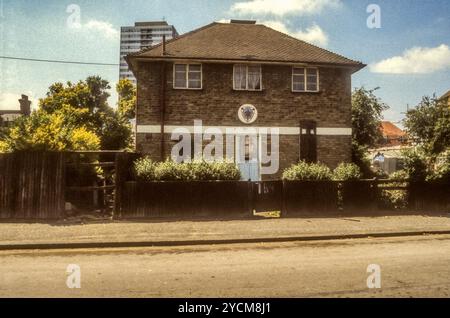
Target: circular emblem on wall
(248, 114)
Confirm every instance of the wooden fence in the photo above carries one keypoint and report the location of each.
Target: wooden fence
(292, 198)
(34, 186)
(31, 185)
(181, 199)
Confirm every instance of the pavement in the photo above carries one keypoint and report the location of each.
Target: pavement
(202, 232)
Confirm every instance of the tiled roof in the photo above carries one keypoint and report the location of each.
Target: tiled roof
(390, 130)
(243, 42)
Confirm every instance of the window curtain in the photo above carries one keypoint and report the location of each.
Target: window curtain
(254, 77)
(240, 77)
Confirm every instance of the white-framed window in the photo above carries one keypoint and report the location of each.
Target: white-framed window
(305, 79)
(247, 77)
(187, 76)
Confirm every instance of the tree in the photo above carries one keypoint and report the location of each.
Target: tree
(428, 124)
(367, 113)
(91, 95)
(72, 117)
(42, 131)
(127, 98)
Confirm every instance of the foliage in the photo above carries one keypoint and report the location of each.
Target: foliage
(4, 147)
(72, 117)
(394, 199)
(401, 175)
(127, 98)
(367, 110)
(147, 170)
(115, 132)
(83, 139)
(304, 171)
(347, 172)
(91, 94)
(441, 171)
(360, 158)
(429, 125)
(415, 164)
(50, 132)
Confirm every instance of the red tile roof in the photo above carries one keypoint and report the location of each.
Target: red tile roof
(390, 130)
(243, 42)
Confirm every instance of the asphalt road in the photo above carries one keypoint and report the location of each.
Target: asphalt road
(410, 267)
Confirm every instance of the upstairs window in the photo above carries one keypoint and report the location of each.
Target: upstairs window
(187, 76)
(305, 79)
(247, 77)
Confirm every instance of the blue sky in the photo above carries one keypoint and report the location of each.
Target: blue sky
(408, 57)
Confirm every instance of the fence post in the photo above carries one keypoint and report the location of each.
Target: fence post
(123, 162)
(250, 198)
(283, 198)
(118, 186)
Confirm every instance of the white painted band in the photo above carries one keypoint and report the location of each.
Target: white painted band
(293, 131)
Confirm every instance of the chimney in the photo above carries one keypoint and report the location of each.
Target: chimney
(233, 21)
(25, 105)
(164, 45)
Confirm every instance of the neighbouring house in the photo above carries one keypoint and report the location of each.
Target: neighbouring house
(10, 115)
(388, 157)
(392, 135)
(446, 98)
(242, 74)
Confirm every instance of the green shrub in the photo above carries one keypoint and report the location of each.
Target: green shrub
(172, 171)
(401, 175)
(308, 172)
(146, 170)
(415, 164)
(361, 159)
(394, 199)
(347, 172)
(215, 171)
(441, 172)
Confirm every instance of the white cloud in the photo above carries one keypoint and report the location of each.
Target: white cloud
(313, 34)
(101, 27)
(282, 7)
(417, 60)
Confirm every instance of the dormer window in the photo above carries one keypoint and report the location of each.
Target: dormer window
(247, 77)
(305, 79)
(187, 76)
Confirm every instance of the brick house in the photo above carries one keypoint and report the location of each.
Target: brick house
(210, 73)
(392, 135)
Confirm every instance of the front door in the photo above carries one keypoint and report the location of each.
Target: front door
(247, 157)
(308, 141)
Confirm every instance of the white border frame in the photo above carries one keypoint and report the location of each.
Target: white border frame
(306, 79)
(246, 84)
(187, 76)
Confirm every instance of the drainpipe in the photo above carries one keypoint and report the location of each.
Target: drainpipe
(163, 101)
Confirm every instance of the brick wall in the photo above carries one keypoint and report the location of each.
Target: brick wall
(217, 104)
